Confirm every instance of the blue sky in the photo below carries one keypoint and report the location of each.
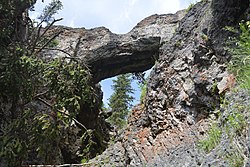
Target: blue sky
(120, 16)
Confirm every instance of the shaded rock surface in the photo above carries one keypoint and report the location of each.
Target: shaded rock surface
(185, 87)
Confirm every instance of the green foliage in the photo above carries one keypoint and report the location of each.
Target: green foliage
(190, 7)
(10, 12)
(120, 100)
(93, 142)
(204, 37)
(19, 69)
(231, 29)
(178, 44)
(33, 135)
(70, 83)
(59, 88)
(240, 62)
(235, 159)
(235, 122)
(142, 83)
(232, 125)
(212, 140)
(53, 43)
(143, 88)
(83, 161)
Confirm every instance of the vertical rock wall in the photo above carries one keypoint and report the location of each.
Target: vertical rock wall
(185, 86)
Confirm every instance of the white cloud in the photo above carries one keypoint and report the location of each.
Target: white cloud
(118, 15)
(132, 2)
(168, 6)
(71, 23)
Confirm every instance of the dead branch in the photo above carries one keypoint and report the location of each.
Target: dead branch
(47, 43)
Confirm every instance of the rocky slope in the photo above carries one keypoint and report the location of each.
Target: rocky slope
(184, 89)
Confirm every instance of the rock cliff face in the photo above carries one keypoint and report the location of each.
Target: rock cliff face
(108, 54)
(185, 87)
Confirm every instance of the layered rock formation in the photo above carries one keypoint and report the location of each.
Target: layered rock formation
(185, 87)
(108, 54)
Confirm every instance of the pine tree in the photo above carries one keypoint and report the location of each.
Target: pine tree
(120, 100)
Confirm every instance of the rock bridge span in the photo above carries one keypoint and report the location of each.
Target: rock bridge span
(108, 54)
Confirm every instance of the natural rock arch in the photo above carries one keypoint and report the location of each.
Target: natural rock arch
(108, 54)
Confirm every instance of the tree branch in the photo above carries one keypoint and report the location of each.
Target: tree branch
(38, 36)
(56, 49)
(47, 43)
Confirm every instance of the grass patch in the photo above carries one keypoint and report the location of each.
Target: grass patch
(235, 121)
(212, 140)
(240, 62)
(229, 127)
(235, 159)
(190, 7)
(232, 123)
(143, 88)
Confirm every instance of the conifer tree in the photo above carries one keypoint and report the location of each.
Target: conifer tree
(120, 100)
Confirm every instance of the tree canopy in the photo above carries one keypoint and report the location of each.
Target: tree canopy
(39, 98)
(120, 100)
